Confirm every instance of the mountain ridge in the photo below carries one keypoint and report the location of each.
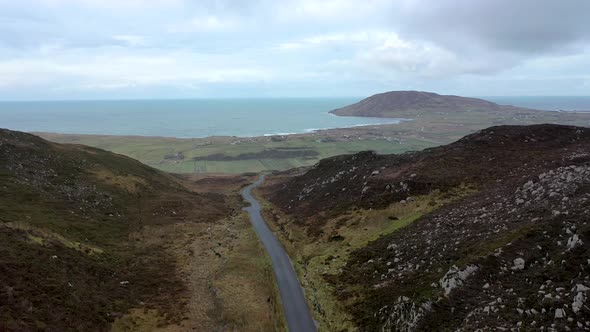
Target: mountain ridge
(404, 103)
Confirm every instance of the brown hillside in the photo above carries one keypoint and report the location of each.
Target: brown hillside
(368, 180)
(509, 247)
(68, 258)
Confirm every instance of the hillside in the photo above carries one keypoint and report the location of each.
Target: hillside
(72, 256)
(400, 104)
(489, 231)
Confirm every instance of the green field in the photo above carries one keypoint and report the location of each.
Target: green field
(255, 154)
(152, 151)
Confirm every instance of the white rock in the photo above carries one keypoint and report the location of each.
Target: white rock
(455, 277)
(578, 303)
(574, 241)
(518, 264)
(559, 313)
(405, 315)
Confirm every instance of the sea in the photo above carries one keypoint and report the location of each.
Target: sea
(213, 117)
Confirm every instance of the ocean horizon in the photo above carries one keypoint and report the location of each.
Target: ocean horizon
(197, 118)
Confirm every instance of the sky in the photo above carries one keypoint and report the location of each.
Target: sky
(119, 49)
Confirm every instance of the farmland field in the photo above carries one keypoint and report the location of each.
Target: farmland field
(230, 154)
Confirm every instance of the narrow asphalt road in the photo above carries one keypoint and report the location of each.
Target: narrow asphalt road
(294, 305)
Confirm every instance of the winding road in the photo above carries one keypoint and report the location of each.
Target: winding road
(295, 307)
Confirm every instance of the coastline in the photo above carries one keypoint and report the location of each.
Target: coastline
(309, 131)
(283, 151)
(394, 121)
(208, 119)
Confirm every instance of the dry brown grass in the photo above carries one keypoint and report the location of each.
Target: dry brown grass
(130, 183)
(228, 274)
(43, 236)
(229, 277)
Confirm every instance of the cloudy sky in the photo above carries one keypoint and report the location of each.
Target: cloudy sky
(85, 49)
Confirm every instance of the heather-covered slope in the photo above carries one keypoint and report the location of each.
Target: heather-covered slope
(493, 231)
(69, 259)
(369, 180)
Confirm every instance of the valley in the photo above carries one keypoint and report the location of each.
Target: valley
(294, 166)
(438, 223)
(97, 241)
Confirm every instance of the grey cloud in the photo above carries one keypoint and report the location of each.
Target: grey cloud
(521, 26)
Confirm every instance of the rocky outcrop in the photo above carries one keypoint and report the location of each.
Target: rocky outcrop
(525, 253)
(456, 277)
(404, 315)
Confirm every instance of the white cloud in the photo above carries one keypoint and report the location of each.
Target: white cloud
(131, 40)
(426, 59)
(112, 70)
(332, 10)
(208, 23)
(387, 50)
(110, 4)
(354, 39)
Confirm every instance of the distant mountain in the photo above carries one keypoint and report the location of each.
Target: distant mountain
(408, 103)
(488, 233)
